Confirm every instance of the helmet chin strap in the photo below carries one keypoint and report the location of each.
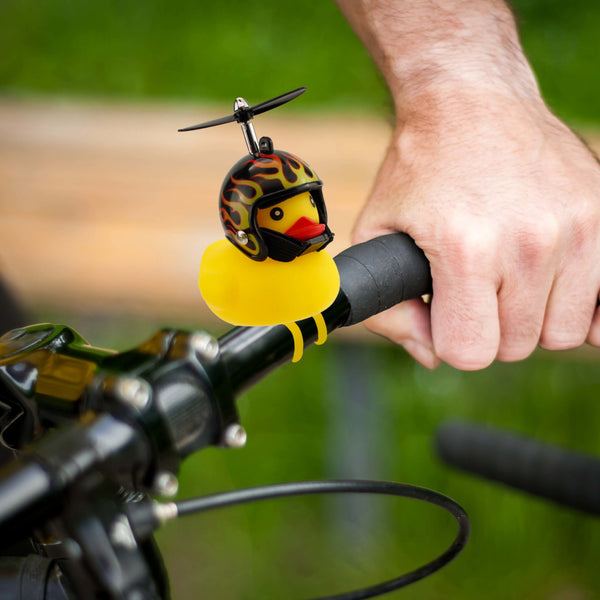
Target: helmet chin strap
(285, 248)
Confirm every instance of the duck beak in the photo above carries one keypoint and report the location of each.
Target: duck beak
(304, 229)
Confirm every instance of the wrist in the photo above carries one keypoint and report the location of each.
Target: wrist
(437, 85)
(453, 110)
(431, 51)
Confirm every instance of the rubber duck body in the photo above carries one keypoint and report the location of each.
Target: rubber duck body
(244, 292)
(271, 269)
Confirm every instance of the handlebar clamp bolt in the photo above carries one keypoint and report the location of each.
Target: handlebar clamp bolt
(121, 533)
(165, 484)
(204, 345)
(133, 391)
(235, 436)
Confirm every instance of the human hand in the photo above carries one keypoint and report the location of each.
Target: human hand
(501, 196)
(505, 202)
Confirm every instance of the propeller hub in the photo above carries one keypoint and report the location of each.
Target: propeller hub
(240, 103)
(243, 113)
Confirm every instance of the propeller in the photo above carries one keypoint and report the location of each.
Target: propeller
(244, 113)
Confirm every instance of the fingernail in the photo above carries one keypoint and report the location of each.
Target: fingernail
(422, 354)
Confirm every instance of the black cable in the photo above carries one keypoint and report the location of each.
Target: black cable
(302, 488)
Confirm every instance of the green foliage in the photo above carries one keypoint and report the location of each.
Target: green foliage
(193, 50)
(562, 42)
(184, 49)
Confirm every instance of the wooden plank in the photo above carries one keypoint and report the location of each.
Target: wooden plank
(108, 206)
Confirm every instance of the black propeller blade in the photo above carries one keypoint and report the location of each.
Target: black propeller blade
(212, 123)
(275, 102)
(245, 114)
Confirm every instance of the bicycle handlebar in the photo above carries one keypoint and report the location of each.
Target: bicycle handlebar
(380, 273)
(189, 405)
(567, 477)
(374, 276)
(148, 408)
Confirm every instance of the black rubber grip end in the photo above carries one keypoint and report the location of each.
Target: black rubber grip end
(567, 477)
(380, 273)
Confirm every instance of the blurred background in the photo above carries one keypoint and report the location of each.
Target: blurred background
(105, 211)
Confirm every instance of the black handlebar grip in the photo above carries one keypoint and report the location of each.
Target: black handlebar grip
(380, 273)
(567, 477)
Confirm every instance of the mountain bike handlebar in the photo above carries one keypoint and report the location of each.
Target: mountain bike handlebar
(567, 477)
(380, 273)
(374, 276)
(124, 421)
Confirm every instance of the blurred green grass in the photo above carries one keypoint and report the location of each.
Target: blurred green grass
(211, 51)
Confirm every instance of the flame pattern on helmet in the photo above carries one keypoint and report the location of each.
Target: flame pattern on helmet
(235, 211)
(290, 173)
(257, 181)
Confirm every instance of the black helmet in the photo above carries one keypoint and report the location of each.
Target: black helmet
(264, 178)
(262, 182)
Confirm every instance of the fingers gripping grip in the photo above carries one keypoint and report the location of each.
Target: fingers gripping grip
(567, 477)
(380, 273)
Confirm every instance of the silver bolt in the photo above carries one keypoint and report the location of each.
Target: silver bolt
(235, 436)
(204, 345)
(134, 391)
(121, 534)
(165, 511)
(242, 237)
(166, 484)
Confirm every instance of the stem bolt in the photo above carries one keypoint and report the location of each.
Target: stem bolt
(165, 484)
(121, 533)
(235, 436)
(204, 345)
(133, 391)
(164, 512)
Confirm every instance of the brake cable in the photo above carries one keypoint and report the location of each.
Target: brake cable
(144, 517)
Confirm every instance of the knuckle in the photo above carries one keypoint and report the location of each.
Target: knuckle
(568, 323)
(593, 337)
(584, 227)
(562, 338)
(540, 238)
(470, 246)
(516, 352)
(519, 337)
(467, 356)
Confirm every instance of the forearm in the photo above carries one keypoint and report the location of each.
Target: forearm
(429, 49)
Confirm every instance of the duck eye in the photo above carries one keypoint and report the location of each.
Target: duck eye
(312, 201)
(276, 214)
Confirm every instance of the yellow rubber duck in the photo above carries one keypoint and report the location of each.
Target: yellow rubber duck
(271, 269)
(243, 291)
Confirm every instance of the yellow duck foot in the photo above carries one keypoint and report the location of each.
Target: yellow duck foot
(299, 340)
(321, 329)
